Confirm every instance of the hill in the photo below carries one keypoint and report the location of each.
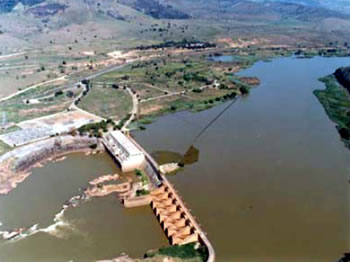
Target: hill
(9, 5)
(336, 5)
(41, 23)
(274, 10)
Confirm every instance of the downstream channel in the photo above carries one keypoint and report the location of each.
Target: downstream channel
(271, 183)
(97, 229)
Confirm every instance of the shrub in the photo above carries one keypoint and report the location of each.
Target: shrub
(344, 133)
(197, 90)
(244, 90)
(69, 94)
(142, 192)
(187, 251)
(93, 146)
(58, 93)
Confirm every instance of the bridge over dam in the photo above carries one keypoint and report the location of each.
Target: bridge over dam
(174, 217)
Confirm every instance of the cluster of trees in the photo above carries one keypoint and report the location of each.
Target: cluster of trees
(188, 251)
(194, 76)
(185, 44)
(96, 129)
(344, 133)
(142, 176)
(222, 98)
(244, 90)
(142, 192)
(85, 92)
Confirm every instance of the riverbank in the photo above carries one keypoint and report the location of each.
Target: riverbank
(15, 165)
(335, 100)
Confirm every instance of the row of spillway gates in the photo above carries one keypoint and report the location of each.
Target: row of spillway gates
(172, 216)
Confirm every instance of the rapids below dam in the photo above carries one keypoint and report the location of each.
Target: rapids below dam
(271, 184)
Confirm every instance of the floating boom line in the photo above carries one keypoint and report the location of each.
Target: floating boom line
(213, 121)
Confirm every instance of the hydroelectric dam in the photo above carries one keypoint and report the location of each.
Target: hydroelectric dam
(173, 215)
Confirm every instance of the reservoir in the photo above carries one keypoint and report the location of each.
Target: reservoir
(272, 180)
(271, 183)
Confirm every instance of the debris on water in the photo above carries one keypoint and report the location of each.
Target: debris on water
(169, 168)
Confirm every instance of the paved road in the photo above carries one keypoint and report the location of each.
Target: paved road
(11, 55)
(104, 71)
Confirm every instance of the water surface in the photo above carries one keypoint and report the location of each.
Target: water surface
(272, 180)
(98, 229)
(271, 184)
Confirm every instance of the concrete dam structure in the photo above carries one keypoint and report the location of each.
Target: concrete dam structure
(171, 212)
(172, 217)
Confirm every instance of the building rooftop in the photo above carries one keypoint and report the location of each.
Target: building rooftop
(126, 143)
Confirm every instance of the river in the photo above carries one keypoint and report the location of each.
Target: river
(271, 183)
(98, 229)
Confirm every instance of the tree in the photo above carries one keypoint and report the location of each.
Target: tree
(70, 94)
(244, 90)
(58, 93)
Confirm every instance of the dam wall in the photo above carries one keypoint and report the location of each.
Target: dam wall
(172, 214)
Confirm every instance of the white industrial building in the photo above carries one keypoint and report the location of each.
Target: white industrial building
(129, 156)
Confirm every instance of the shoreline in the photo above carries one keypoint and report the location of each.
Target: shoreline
(335, 101)
(14, 171)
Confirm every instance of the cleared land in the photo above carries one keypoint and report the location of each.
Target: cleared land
(3, 148)
(107, 102)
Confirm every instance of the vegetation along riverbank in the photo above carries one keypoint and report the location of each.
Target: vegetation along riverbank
(336, 101)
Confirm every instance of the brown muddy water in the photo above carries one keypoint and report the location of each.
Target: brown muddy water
(271, 183)
(272, 180)
(97, 229)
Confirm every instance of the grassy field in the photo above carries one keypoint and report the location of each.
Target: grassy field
(52, 99)
(175, 82)
(336, 102)
(107, 102)
(4, 148)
